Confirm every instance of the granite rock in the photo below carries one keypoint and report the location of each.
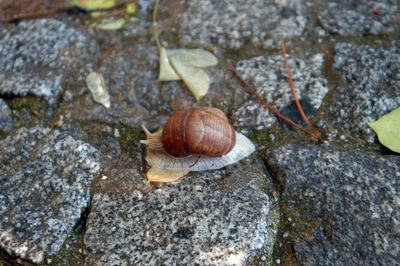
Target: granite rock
(5, 116)
(363, 17)
(269, 77)
(350, 199)
(370, 87)
(38, 56)
(235, 24)
(45, 178)
(186, 222)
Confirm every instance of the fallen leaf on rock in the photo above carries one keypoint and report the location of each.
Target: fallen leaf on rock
(108, 14)
(94, 4)
(96, 85)
(388, 130)
(185, 64)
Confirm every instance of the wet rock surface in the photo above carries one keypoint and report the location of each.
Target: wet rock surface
(369, 89)
(37, 57)
(187, 222)
(350, 199)
(5, 116)
(336, 203)
(44, 182)
(229, 25)
(358, 17)
(270, 78)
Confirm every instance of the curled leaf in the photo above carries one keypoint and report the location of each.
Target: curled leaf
(388, 130)
(96, 85)
(194, 57)
(112, 23)
(186, 64)
(167, 72)
(195, 78)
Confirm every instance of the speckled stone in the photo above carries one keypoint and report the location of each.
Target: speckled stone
(269, 77)
(234, 24)
(370, 88)
(130, 76)
(5, 116)
(358, 17)
(37, 56)
(45, 178)
(350, 199)
(187, 222)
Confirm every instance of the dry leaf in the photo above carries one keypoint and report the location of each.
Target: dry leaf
(96, 85)
(186, 64)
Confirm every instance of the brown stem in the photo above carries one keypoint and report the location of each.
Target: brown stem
(29, 15)
(294, 92)
(10, 11)
(272, 109)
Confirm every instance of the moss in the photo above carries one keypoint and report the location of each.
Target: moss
(264, 256)
(71, 252)
(29, 111)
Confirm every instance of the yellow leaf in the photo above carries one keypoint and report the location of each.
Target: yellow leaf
(167, 73)
(112, 23)
(185, 64)
(195, 78)
(193, 57)
(97, 87)
(94, 4)
(388, 130)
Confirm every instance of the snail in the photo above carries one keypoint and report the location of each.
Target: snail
(194, 139)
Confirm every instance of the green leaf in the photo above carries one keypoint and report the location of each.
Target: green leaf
(112, 23)
(94, 4)
(131, 9)
(388, 130)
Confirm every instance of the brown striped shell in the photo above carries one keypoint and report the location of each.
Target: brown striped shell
(198, 131)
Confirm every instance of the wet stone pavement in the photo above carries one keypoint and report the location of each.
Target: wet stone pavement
(72, 172)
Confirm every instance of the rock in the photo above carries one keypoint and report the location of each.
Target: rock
(268, 76)
(355, 16)
(235, 24)
(45, 178)
(350, 200)
(187, 222)
(370, 87)
(38, 56)
(130, 76)
(5, 116)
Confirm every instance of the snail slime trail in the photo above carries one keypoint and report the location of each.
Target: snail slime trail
(194, 139)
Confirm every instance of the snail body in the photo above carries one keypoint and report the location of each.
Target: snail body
(194, 139)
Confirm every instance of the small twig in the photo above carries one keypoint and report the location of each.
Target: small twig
(294, 92)
(155, 11)
(272, 109)
(11, 10)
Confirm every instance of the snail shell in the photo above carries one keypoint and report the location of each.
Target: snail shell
(198, 130)
(158, 157)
